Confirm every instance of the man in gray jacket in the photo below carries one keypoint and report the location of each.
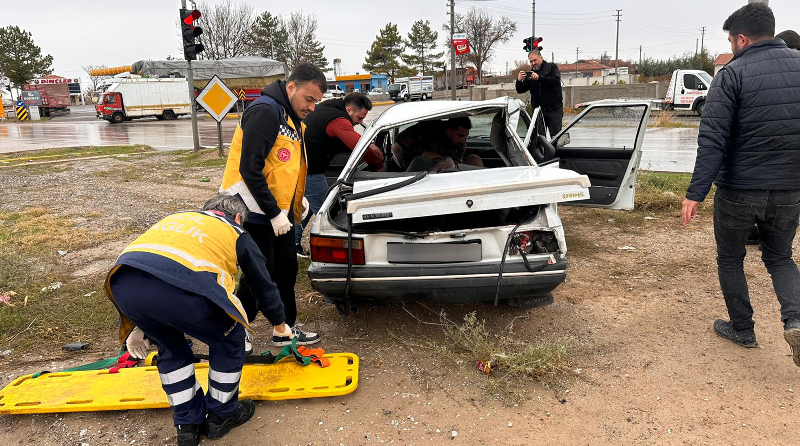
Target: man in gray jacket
(749, 146)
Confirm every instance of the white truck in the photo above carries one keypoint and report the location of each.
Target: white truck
(687, 91)
(132, 97)
(411, 88)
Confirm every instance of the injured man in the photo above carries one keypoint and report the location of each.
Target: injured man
(434, 146)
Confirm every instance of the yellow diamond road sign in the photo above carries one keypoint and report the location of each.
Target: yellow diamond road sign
(216, 98)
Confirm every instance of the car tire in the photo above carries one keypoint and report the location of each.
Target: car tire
(699, 109)
(117, 118)
(169, 115)
(424, 96)
(405, 98)
(160, 117)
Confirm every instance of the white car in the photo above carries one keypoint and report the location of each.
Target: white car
(491, 234)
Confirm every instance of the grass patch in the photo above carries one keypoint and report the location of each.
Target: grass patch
(513, 361)
(664, 192)
(666, 118)
(22, 158)
(202, 158)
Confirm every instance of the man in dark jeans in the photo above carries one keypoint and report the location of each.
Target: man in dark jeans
(749, 145)
(544, 83)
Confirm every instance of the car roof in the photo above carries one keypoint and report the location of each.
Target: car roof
(415, 110)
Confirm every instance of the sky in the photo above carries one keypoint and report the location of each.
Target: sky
(78, 33)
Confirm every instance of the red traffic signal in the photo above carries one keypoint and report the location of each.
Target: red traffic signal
(188, 16)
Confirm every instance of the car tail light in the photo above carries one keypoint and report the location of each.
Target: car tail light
(334, 250)
(534, 242)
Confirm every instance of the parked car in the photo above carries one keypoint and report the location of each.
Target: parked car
(334, 91)
(376, 91)
(487, 234)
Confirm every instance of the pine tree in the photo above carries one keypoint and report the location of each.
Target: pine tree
(384, 52)
(20, 59)
(422, 43)
(269, 37)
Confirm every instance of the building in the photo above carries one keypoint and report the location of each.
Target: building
(721, 61)
(361, 82)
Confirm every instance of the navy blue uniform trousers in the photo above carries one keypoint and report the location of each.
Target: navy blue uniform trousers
(164, 313)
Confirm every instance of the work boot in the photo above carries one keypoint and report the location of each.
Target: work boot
(188, 434)
(303, 338)
(217, 427)
(746, 338)
(791, 333)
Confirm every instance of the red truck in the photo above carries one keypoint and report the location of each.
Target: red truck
(54, 93)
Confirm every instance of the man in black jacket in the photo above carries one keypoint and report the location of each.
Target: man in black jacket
(329, 131)
(749, 145)
(266, 169)
(544, 83)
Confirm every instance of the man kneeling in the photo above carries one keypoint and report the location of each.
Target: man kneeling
(178, 278)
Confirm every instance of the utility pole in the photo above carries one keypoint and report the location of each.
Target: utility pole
(533, 20)
(577, 50)
(616, 52)
(702, 38)
(696, 42)
(640, 54)
(452, 50)
(190, 79)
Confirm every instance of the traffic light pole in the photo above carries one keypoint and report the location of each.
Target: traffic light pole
(195, 134)
(452, 50)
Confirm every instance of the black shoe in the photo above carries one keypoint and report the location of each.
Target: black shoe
(303, 338)
(301, 252)
(217, 427)
(746, 338)
(188, 434)
(792, 335)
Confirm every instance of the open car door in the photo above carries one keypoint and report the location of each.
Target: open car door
(605, 143)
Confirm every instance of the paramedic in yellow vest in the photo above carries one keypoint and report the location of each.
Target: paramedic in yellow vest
(266, 168)
(178, 278)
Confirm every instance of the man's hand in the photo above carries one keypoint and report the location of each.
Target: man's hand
(305, 209)
(373, 156)
(534, 76)
(136, 344)
(280, 223)
(520, 75)
(688, 210)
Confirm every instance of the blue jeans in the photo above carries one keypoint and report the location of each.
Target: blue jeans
(775, 212)
(316, 188)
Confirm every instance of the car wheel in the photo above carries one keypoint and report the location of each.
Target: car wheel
(160, 117)
(405, 98)
(700, 107)
(169, 114)
(117, 118)
(424, 96)
(526, 303)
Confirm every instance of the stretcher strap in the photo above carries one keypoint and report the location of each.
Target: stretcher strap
(97, 365)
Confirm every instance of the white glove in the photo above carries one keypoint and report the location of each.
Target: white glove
(280, 223)
(305, 209)
(136, 343)
(288, 333)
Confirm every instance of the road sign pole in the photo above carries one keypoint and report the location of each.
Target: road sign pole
(219, 133)
(195, 134)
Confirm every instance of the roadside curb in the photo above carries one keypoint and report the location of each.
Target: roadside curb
(228, 116)
(383, 103)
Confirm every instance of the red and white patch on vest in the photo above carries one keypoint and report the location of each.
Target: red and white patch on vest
(284, 155)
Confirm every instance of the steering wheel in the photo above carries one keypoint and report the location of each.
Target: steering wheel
(542, 150)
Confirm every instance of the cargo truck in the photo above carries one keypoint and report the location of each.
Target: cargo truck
(54, 93)
(133, 97)
(410, 88)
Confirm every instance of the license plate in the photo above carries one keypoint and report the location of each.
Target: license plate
(469, 251)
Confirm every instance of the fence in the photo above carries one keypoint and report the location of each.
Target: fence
(575, 94)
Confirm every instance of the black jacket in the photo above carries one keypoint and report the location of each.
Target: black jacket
(260, 126)
(750, 130)
(320, 148)
(545, 92)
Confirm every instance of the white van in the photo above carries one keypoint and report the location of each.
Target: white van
(334, 91)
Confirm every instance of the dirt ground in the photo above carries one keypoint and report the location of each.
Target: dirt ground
(647, 369)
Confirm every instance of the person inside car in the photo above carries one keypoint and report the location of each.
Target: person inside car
(417, 151)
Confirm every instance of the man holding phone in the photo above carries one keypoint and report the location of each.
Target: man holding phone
(544, 83)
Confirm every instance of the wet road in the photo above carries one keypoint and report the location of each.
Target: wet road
(665, 149)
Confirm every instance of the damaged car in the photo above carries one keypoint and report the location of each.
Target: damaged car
(489, 231)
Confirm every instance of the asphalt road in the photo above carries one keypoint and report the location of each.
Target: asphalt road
(665, 149)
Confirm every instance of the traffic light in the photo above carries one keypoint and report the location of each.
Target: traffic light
(189, 33)
(532, 43)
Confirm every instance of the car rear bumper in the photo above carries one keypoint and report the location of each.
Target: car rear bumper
(445, 283)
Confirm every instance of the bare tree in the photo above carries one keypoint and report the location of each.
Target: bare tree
(301, 42)
(94, 79)
(226, 29)
(483, 33)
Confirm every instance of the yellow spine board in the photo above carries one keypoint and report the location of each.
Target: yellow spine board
(140, 387)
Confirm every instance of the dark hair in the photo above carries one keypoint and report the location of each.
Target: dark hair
(307, 72)
(791, 38)
(358, 100)
(455, 123)
(754, 20)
